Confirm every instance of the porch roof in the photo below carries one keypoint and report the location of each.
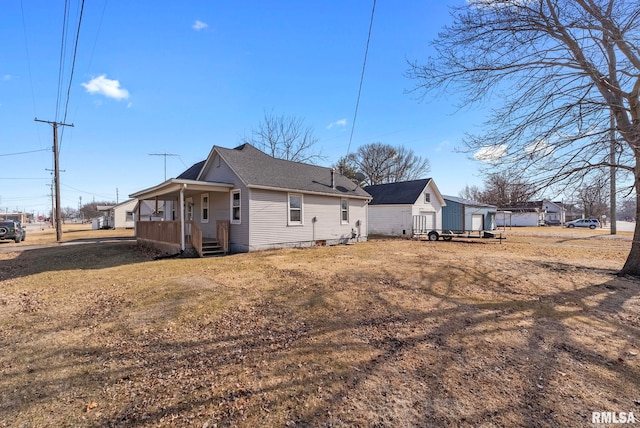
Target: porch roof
(170, 189)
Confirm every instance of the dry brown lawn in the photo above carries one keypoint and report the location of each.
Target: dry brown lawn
(534, 331)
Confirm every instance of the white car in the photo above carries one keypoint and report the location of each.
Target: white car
(591, 223)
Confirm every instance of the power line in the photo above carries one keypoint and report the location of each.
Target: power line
(24, 153)
(73, 62)
(73, 67)
(62, 55)
(364, 64)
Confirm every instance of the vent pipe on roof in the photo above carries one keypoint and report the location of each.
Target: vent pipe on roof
(333, 181)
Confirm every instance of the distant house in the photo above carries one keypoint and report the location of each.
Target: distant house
(242, 200)
(105, 220)
(533, 213)
(464, 215)
(405, 208)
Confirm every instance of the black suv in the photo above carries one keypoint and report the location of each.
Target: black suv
(10, 229)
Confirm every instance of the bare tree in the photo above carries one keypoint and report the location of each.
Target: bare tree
(286, 137)
(90, 210)
(473, 193)
(560, 69)
(383, 163)
(501, 190)
(592, 196)
(68, 213)
(627, 210)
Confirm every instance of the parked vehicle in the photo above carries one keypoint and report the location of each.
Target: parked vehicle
(591, 223)
(10, 229)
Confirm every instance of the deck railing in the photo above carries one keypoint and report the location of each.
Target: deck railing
(194, 236)
(169, 231)
(161, 231)
(222, 232)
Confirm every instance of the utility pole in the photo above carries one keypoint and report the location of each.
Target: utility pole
(56, 174)
(165, 161)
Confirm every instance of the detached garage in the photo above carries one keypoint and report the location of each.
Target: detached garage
(397, 208)
(464, 215)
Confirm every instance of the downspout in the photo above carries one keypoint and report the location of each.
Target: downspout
(182, 225)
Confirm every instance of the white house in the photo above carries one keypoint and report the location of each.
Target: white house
(533, 213)
(405, 208)
(244, 200)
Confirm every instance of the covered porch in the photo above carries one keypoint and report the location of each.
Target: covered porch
(195, 219)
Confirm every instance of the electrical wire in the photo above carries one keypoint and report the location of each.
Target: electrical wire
(24, 153)
(73, 67)
(73, 62)
(62, 55)
(364, 64)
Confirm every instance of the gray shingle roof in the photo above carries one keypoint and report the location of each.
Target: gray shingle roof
(468, 202)
(404, 192)
(192, 172)
(257, 168)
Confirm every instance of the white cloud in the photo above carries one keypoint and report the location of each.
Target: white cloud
(199, 25)
(107, 87)
(491, 153)
(541, 148)
(7, 77)
(340, 122)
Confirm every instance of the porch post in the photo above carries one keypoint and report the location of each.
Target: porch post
(182, 228)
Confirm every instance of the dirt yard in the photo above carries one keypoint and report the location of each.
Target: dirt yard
(536, 330)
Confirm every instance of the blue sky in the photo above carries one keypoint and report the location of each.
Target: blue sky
(179, 77)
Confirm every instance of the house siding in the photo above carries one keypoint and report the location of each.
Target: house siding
(269, 229)
(518, 219)
(220, 172)
(420, 207)
(390, 220)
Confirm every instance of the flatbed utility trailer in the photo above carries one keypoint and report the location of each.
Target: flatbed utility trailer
(448, 235)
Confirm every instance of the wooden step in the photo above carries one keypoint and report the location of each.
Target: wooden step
(212, 249)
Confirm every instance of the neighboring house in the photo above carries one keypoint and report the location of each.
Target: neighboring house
(405, 208)
(20, 217)
(464, 215)
(246, 200)
(105, 221)
(534, 213)
(155, 210)
(124, 215)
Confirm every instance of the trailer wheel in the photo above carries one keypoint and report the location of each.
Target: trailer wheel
(447, 238)
(433, 236)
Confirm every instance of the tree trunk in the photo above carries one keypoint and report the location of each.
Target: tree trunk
(632, 265)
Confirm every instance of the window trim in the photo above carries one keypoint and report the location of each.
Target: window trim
(231, 206)
(204, 208)
(289, 209)
(427, 197)
(344, 210)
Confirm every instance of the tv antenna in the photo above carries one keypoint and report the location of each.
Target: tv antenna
(165, 161)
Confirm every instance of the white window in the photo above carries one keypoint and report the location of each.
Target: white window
(295, 209)
(427, 198)
(235, 207)
(344, 211)
(205, 208)
(129, 216)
